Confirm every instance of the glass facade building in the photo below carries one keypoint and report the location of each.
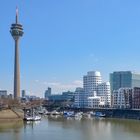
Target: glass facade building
(123, 79)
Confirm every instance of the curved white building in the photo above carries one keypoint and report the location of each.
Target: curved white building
(94, 93)
(91, 81)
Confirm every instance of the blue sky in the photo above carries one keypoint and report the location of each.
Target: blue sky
(64, 39)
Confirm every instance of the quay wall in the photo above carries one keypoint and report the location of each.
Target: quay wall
(113, 113)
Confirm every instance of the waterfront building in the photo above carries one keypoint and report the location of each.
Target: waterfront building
(103, 91)
(114, 98)
(122, 98)
(94, 102)
(65, 96)
(3, 93)
(16, 31)
(33, 98)
(68, 95)
(136, 98)
(79, 98)
(48, 92)
(124, 79)
(55, 97)
(91, 81)
(92, 85)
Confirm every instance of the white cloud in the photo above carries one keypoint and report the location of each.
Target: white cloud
(78, 82)
(60, 87)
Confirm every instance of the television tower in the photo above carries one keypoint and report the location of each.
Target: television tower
(16, 31)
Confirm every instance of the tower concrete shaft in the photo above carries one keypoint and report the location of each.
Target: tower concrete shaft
(16, 71)
(16, 32)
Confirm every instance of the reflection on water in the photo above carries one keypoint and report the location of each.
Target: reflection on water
(59, 128)
(101, 128)
(10, 125)
(10, 130)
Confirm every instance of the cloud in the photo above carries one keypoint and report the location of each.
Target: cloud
(78, 82)
(60, 87)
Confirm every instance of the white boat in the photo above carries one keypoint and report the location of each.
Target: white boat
(87, 115)
(92, 113)
(78, 115)
(34, 118)
(47, 113)
(55, 113)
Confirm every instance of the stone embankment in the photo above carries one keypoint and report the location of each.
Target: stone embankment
(10, 114)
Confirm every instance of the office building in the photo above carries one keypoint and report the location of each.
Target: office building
(124, 79)
(68, 95)
(23, 93)
(48, 92)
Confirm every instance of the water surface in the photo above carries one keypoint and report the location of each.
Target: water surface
(58, 128)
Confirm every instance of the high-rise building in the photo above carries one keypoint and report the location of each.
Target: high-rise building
(48, 92)
(16, 32)
(23, 92)
(123, 79)
(90, 83)
(93, 90)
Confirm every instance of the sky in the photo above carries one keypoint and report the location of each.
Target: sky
(64, 39)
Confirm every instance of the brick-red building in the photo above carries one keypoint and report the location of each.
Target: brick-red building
(136, 98)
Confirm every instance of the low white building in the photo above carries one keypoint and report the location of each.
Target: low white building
(103, 91)
(94, 101)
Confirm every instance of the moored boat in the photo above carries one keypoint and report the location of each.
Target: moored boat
(99, 114)
(32, 118)
(55, 112)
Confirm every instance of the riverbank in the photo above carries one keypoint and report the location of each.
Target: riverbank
(10, 115)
